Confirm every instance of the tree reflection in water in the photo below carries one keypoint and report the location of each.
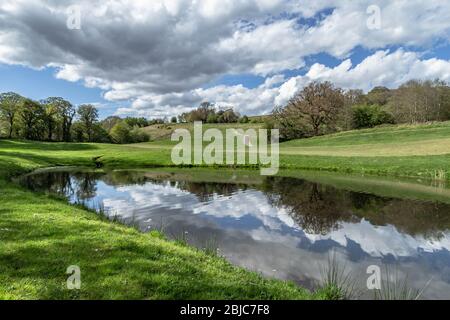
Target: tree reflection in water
(315, 208)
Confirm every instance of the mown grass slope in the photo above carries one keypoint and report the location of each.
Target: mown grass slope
(41, 236)
(421, 150)
(402, 140)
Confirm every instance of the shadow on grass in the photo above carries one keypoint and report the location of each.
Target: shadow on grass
(41, 237)
(15, 163)
(120, 268)
(46, 146)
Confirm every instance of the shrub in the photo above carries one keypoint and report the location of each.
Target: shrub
(137, 135)
(122, 133)
(212, 118)
(368, 116)
(244, 119)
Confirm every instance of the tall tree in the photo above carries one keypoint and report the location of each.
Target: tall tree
(9, 106)
(110, 122)
(88, 116)
(379, 95)
(139, 122)
(355, 97)
(31, 114)
(65, 112)
(202, 113)
(228, 116)
(317, 105)
(50, 117)
(420, 101)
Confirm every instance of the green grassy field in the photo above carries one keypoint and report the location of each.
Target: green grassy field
(162, 132)
(419, 151)
(41, 235)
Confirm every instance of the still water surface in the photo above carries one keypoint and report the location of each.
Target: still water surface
(279, 226)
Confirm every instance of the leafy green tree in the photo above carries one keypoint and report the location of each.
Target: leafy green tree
(9, 107)
(78, 132)
(157, 121)
(120, 133)
(173, 120)
(31, 114)
(88, 116)
(99, 134)
(65, 113)
(139, 122)
(50, 118)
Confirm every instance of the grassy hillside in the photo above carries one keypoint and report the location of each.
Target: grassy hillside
(160, 132)
(401, 140)
(420, 151)
(405, 150)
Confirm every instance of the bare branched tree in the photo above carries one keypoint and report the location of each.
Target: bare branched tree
(312, 111)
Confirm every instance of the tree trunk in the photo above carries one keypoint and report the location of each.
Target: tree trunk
(10, 129)
(50, 132)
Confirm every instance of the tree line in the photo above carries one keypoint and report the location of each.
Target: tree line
(56, 119)
(319, 108)
(322, 108)
(208, 113)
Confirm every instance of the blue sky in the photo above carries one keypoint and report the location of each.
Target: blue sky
(41, 84)
(248, 55)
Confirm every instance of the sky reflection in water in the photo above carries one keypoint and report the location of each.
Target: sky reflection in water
(282, 227)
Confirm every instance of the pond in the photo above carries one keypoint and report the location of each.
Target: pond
(283, 227)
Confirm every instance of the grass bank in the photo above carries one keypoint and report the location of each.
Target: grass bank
(418, 151)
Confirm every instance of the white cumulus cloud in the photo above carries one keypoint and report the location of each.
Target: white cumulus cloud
(157, 56)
